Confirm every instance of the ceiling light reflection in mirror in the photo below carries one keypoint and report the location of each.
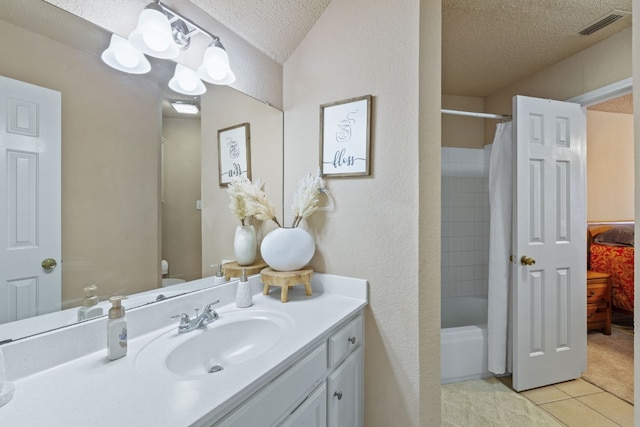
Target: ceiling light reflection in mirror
(185, 107)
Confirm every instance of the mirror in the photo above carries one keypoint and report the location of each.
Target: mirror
(125, 206)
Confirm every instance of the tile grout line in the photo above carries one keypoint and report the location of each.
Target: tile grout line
(539, 406)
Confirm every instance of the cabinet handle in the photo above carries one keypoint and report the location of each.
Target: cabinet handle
(592, 293)
(338, 394)
(352, 340)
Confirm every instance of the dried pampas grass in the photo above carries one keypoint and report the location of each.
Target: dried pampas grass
(305, 200)
(249, 200)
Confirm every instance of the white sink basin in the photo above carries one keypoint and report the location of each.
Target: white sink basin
(222, 347)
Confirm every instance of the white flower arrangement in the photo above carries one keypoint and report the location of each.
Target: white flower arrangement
(305, 200)
(248, 200)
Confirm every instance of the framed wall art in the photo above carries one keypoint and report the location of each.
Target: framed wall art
(234, 155)
(345, 137)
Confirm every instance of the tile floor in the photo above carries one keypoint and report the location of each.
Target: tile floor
(580, 404)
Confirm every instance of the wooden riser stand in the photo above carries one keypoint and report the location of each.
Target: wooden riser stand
(233, 269)
(286, 280)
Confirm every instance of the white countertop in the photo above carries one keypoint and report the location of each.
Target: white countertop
(91, 390)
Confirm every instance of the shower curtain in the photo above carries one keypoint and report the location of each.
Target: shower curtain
(499, 292)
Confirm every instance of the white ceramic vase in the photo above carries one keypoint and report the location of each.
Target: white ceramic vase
(287, 249)
(245, 244)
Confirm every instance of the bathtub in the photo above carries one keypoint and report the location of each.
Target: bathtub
(463, 339)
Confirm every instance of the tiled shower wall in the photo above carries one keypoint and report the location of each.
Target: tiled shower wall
(465, 221)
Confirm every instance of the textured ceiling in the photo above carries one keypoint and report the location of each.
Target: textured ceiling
(276, 27)
(622, 105)
(489, 44)
(486, 44)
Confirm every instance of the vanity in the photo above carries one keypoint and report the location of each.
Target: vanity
(298, 363)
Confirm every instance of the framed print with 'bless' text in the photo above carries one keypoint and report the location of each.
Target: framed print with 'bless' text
(345, 137)
(234, 156)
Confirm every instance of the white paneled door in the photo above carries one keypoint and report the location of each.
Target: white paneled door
(549, 259)
(30, 236)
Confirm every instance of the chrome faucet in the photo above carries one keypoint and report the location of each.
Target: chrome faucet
(187, 324)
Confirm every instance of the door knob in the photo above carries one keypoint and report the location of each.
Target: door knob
(527, 260)
(49, 264)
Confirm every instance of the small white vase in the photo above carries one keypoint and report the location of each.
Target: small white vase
(245, 244)
(287, 249)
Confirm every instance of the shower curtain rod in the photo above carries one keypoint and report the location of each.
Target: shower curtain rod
(474, 114)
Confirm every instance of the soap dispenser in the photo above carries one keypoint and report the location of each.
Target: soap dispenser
(218, 279)
(89, 306)
(243, 293)
(116, 329)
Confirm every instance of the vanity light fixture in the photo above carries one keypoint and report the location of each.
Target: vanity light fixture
(215, 65)
(163, 33)
(185, 107)
(154, 35)
(186, 81)
(122, 56)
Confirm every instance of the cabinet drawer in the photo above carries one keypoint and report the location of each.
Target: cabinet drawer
(345, 340)
(267, 405)
(597, 292)
(596, 312)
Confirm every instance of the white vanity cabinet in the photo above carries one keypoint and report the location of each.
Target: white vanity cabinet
(345, 392)
(324, 388)
(273, 401)
(345, 383)
(292, 380)
(312, 412)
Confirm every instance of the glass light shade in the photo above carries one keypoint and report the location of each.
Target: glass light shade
(215, 66)
(122, 56)
(229, 78)
(186, 81)
(153, 35)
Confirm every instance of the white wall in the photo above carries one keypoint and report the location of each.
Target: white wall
(361, 47)
(462, 131)
(181, 221)
(609, 166)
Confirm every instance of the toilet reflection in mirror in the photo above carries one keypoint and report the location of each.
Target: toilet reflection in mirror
(166, 279)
